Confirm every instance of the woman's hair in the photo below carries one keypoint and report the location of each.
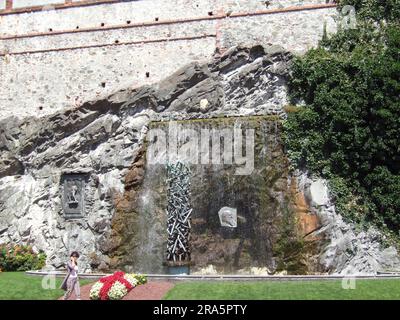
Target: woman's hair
(75, 254)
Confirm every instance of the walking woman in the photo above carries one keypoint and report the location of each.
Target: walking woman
(71, 281)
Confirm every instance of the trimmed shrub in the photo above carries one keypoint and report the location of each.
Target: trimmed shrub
(20, 258)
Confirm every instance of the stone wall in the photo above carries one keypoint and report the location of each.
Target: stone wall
(30, 3)
(83, 81)
(120, 198)
(58, 58)
(102, 139)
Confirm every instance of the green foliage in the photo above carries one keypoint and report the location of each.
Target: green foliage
(374, 10)
(290, 247)
(348, 128)
(142, 279)
(20, 258)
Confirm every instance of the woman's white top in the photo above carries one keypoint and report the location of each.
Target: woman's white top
(74, 272)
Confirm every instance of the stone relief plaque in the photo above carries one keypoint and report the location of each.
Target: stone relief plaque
(73, 195)
(228, 217)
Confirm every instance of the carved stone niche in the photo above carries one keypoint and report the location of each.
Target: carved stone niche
(73, 195)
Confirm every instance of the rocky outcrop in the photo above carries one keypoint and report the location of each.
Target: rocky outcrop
(347, 251)
(118, 198)
(103, 138)
(9, 165)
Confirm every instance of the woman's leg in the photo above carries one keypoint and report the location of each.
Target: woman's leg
(77, 290)
(69, 289)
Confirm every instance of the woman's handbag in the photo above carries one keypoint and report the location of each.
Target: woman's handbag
(64, 284)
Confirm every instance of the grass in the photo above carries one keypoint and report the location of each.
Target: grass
(19, 286)
(387, 289)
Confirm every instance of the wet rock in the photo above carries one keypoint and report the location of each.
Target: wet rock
(346, 251)
(208, 270)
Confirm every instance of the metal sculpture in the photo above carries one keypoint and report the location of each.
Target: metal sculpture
(178, 212)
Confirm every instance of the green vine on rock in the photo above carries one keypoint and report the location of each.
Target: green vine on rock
(348, 126)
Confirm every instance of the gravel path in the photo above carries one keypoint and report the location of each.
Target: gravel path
(152, 290)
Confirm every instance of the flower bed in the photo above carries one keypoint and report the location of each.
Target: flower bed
(115, 286)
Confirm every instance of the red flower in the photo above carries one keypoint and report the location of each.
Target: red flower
(105, 289)
(106, 279)
(108, 282)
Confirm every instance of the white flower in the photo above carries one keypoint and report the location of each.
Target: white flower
(131, 278)
(117, 291)
(95, 291)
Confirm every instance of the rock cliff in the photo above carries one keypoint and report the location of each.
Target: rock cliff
(104, 143)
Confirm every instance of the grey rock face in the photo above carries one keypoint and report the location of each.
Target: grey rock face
(9, 165)
(318, 193)
(347, 252)
(101, 138)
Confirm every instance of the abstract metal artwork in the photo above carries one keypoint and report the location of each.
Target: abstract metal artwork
(178, 212)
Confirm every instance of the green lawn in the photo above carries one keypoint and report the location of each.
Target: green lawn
(19, 286)
(291, 290)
